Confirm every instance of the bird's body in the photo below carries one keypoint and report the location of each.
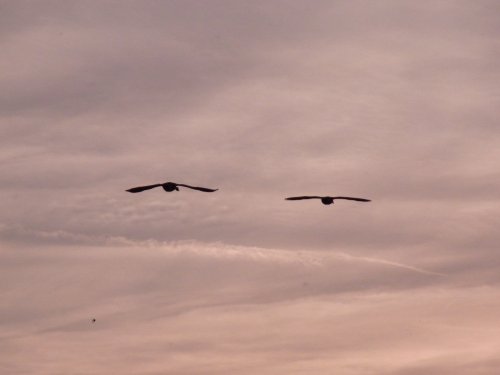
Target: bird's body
(168, 187)
(327, 200)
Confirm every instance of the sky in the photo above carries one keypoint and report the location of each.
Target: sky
(395, 101)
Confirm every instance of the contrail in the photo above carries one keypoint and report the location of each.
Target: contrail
(307, 258)
(390, 263)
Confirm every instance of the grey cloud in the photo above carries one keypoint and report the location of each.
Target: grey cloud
(395, 101)
(122, 271)
(452, 364)
(212, 301)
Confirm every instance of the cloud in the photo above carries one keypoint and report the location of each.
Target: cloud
(394, 101)
(278, 309)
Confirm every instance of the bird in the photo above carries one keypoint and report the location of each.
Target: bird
(93, 320)
(168, 186)
(326, 200)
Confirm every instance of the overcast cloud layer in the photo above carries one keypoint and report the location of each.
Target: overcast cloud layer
(396, 101)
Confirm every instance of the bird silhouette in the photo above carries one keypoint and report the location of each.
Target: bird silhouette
(326, 200)
(168, 186)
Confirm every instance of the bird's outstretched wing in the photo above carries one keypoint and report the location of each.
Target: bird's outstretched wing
(353, 199)
(206, 190)
(303, 197)
(138, 189)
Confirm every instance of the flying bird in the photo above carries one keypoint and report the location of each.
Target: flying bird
(93, 320)
(169, 186)
(327, 200)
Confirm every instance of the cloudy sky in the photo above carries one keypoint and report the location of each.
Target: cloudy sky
(396, 101)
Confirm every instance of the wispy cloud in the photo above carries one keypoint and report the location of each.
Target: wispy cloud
(389, 263)
(395, 101)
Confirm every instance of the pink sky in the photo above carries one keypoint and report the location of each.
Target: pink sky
(396, 101)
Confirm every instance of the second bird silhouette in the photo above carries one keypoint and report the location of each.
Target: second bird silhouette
(168, 186)
(326, 200)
